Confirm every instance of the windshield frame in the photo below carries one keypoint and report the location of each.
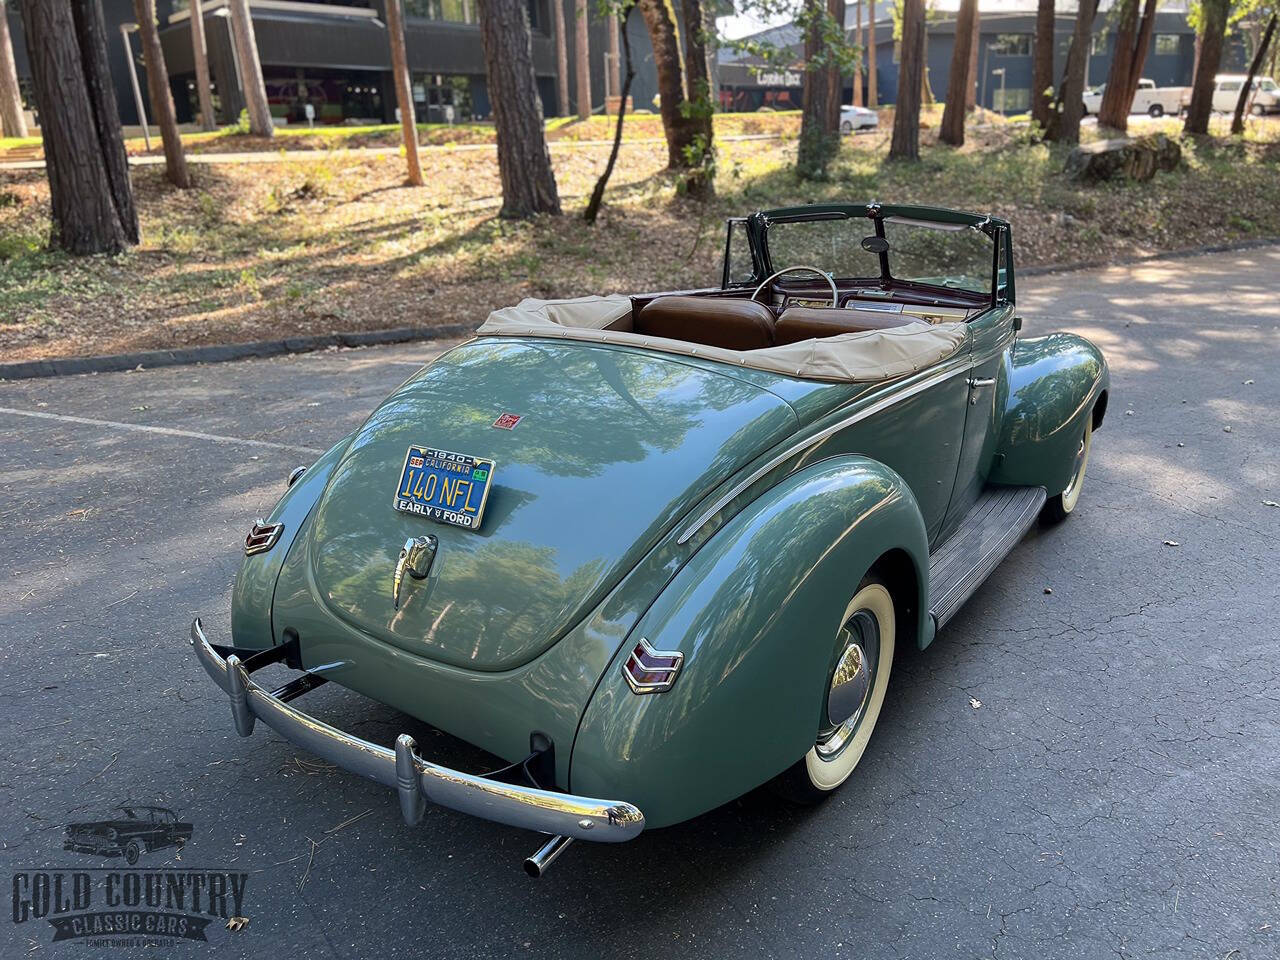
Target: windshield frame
(757, 230)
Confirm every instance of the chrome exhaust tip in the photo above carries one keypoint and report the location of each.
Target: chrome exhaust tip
(536, 865)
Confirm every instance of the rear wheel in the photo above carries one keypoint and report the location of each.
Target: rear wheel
(1056, 509)
(846, 127)
(856, 687)
(1155, 110)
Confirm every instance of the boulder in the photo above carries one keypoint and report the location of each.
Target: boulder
(1136, 158)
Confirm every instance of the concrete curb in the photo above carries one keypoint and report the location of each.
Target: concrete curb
(220, 353)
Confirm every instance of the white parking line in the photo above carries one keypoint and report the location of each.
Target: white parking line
(163, 431)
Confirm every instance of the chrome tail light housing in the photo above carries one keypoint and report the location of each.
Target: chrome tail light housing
(262, 537)
(651, 671)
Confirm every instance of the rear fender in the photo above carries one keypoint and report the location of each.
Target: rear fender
(1056, 384)
(256, 581)
(755, 612)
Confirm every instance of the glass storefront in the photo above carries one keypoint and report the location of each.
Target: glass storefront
(337, 96)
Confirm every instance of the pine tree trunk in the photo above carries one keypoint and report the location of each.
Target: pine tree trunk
(84, 214)
(817, 146)
(582, 59)
(971, 84)
(835, 83)
(1237, 120)
(872, 59)
(13, 123)
(1132, 42)
(91, 35)
(562, 59)
(1042, 64)
(1064, 125)
(404, 91)
(952, 131)
(858, 99)
(524, 162)
(906, 113)
(680, 133)
(200, 54)
(926, 89)
(1214, 14)
(175, 161)
(246, 49)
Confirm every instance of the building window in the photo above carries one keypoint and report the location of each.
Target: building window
(1167, 44)
(1011, 45)
(1011, 100)
(450, 11)
(433, 93)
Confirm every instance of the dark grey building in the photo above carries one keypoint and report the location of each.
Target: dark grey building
(334, 56)
(1006, 36)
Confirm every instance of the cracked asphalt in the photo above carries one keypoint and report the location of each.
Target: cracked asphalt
(1088, 772)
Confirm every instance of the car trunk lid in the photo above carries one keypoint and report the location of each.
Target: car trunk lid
(611, 448)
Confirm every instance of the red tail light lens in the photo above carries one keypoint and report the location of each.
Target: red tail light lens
(651, 671)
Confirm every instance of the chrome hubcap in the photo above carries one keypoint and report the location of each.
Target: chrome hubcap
(851, 683)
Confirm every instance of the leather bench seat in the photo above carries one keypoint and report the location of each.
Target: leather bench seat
(734, 324)
(810, 323)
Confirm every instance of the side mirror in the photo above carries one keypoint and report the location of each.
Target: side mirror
(1017, 324)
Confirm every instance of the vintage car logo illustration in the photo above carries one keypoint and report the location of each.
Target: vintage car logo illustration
(135, 830)
(508, 421)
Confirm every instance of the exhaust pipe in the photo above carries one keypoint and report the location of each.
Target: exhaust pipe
(536, 865)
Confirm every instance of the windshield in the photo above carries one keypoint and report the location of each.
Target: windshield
(955, 256)
(1267, 84)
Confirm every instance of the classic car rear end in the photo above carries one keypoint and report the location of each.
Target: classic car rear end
(612, 538)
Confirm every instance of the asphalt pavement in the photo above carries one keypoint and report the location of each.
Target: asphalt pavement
(1088, 772)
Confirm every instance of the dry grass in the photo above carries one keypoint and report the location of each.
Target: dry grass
(339, 243)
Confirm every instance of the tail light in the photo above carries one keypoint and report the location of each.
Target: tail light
(262, 537)
(651, 671)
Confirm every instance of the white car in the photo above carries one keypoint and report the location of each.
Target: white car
(858, 118)
(1149, 99)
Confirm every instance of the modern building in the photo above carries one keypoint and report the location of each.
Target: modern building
(334, 55)
(1007, 29)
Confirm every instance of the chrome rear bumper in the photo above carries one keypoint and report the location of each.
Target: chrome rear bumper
(416, 780)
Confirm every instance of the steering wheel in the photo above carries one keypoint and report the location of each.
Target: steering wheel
(835, 294)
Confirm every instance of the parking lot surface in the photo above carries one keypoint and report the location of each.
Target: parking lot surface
(1086, 763)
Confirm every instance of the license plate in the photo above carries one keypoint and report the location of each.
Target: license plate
(443, 486)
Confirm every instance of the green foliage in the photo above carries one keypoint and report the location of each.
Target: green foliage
(836, 50)
(241, 126)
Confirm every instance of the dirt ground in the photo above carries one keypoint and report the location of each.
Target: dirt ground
(339, 243)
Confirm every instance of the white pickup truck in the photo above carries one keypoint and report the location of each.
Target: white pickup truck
(1152, 100)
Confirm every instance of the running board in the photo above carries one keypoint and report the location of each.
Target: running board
(990, 530)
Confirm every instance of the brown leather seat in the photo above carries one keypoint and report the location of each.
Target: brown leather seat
(718, 322)
(809, 323)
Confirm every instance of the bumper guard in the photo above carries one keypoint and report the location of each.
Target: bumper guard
(415, 780)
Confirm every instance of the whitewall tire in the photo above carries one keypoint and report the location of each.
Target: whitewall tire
(858, 682)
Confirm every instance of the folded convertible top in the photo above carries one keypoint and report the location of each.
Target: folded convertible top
(848, 357)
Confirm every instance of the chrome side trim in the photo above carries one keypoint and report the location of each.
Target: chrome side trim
(813, 440)
(417, 780)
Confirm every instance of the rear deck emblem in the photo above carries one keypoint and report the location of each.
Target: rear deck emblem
(508, 421)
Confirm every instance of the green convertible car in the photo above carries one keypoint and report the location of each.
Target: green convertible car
(654, 551)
